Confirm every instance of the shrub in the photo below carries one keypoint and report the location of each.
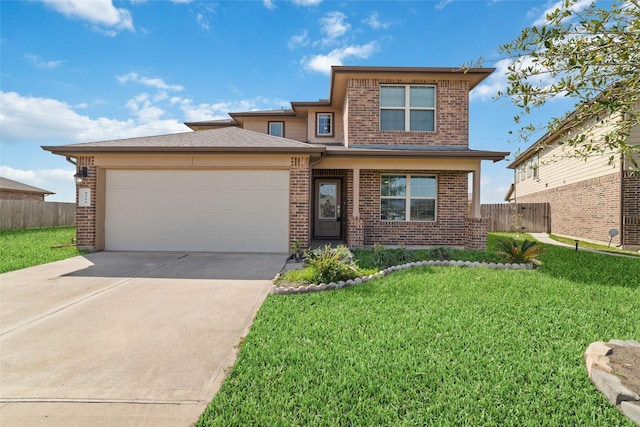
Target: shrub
(441, 253)
(527, 251)
(382, 257)
(331, 264)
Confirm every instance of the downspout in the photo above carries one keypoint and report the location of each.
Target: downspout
(70, 161)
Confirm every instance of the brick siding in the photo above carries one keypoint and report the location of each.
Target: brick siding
(452, 110)
(19, 195)
(299, 196)
(631, 210)
(86, 216)
(587, 209)
(449, 229)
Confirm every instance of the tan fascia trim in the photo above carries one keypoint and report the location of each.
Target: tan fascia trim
(87, 151)
(496, 156)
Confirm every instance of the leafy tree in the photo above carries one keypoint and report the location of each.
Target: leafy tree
(589, 52)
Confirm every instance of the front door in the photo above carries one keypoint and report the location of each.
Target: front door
(327, 213)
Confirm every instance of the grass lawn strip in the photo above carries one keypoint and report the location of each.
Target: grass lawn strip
(26, 248)
(437, 346)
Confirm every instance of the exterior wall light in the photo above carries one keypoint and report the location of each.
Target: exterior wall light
(81, 175)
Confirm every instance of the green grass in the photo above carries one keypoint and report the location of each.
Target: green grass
(595, 246)
(25, 248)
(441, 346)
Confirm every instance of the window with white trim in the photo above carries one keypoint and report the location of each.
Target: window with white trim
(324, 124)
(408, 108)
(276, 128)
(408, 198)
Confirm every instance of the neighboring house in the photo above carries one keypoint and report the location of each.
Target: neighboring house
(587, 197)
(384, 160)
(14, 190)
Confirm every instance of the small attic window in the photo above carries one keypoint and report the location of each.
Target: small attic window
(324, 124)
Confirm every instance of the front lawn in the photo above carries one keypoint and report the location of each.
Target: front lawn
(25, 248)
(442, 346)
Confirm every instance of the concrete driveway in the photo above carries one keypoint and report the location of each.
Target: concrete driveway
(124, 338)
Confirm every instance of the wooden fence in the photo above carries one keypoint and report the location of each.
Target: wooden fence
(524, 217)
(17, 214)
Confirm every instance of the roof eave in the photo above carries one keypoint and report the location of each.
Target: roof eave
(496, 156)
(75, 151)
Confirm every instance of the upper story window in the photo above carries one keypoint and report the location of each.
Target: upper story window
(408, 198)
(276, 128)
(324, 124)
(408, 108)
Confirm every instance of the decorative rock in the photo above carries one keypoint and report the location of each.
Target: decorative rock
(358, 281)
(611, 386)
(631, 410)
(596, 357)
(349, 282)
(322, 287)
(625, 343)
(342, 283)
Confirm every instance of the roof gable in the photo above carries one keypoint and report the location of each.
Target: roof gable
(11, 185)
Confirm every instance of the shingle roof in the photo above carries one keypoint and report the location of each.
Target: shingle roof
(229, 139)
(11, 185)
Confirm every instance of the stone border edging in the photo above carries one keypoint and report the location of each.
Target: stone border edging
(602, 376)
(303, 289)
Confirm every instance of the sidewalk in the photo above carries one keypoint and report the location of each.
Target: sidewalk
(544, 238)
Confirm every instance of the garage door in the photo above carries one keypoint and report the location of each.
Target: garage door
(218, 211)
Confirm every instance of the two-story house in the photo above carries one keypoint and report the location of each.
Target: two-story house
(385, 159)
(588, 197)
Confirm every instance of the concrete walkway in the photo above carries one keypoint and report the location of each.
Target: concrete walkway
(544, 238)
(124, 339)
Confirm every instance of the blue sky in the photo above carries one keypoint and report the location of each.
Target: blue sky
(76, 70)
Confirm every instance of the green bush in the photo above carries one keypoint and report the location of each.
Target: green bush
(382, 257)
(441, 253)
(514, 252)
(329, 264)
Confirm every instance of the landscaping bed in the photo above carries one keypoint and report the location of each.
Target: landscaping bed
(443, 346)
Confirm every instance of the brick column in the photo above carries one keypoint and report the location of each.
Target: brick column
(476, 233)
(355, 235)
(631, 211)
(86, 215)
(299, 201)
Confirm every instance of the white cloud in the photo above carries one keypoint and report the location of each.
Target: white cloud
(577, 7)
(496, 82)
(154, 82)
(59, 180)
(48, 121)
(269, 4)
(323, 63)
(299, 40)
(219, 110)
(97, 12)
(41, 63)
(443, 3)
(374, 22)
(306, 2)
(203, 22)
(333, 25)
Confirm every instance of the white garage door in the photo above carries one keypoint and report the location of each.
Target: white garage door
(216, 211)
